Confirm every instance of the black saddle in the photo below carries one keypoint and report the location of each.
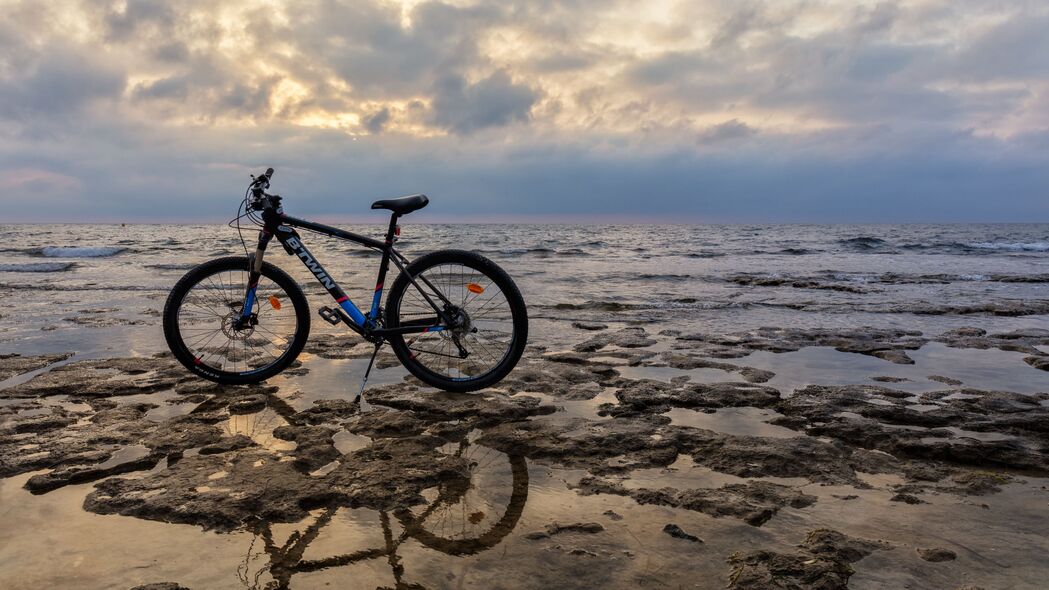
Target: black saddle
(403, 205)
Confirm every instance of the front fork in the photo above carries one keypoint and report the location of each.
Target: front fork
(254, 274)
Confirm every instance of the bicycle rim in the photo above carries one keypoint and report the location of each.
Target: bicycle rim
(206, 317)
(487, 334)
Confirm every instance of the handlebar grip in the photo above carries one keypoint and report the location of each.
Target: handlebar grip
(263, 180)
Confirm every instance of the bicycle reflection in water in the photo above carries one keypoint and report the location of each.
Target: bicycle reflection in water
(461, 517)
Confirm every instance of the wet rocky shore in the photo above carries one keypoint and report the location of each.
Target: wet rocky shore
(626, 458)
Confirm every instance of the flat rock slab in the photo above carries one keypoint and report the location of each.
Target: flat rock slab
(16, 364)
(821, 561)
(754, 502)
(887, 344)
(226, 492)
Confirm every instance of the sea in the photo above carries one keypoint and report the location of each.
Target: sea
(93, 288)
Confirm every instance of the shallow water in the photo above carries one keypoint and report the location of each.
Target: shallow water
(741, 421)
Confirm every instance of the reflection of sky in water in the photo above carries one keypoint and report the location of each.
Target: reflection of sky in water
(259, 427)
(736, 421)
(980, 369)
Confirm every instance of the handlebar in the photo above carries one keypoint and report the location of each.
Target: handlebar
(262, 200)
(262, 180)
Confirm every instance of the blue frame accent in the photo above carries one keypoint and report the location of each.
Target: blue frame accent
(249, 302)
(375, 303)
(354, 313)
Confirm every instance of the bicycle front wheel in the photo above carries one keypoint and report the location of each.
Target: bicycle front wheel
(490, 328)
(201, 330)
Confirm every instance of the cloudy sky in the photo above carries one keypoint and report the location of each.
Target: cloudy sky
(573, 110)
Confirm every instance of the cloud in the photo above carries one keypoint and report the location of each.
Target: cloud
(58, 82)
(727, 131)
(494, 101)
(375, 122)
(802, 109)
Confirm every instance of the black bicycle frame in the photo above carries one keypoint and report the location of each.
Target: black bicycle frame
(367, 325)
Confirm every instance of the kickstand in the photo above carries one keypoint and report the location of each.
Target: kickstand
(367, 372)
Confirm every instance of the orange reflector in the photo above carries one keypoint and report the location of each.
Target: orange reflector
(274, 302)
(474, 288)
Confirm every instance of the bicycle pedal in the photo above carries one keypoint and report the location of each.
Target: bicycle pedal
(330, 315)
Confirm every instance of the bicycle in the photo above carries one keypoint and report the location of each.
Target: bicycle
(454, 318)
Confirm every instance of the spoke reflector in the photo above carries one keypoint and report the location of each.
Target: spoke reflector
(474, 288)
(274, 302)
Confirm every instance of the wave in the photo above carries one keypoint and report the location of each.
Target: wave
(172, 266)
(76, 288)
(663, 277)
(797, 251)
(37, 267)
(892, 278)
(863, 243)
(597, 306)
(78, 251)
(1011, 246)
(537, 251)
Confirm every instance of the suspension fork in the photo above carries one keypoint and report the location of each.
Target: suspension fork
(254, 274)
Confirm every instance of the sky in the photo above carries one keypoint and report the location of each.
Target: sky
(737, 111)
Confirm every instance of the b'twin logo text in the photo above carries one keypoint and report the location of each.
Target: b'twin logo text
(313, 265)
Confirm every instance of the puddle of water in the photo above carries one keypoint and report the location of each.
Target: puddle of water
(125, 455)
(615, 361)
(960, 395)
(161, 398)
(572, 408)
(332, 379)
(170, 410)
(259, 427)
(702, 375)
(51, 542)
(982, 436)
(999, 538)
(682, 473)
(736, 421)
(923, 407)
(881, 480)
(979, 369)
(63, 402)
(24, 377)
(347, 442)
(325, 469)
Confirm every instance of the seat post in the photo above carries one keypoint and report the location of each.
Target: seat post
(392, 228)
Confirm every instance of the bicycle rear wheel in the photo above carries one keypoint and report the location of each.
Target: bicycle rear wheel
(491, 321)
(200, 315)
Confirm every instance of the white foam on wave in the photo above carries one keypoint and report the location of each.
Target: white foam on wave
(1012, 246)
(80, 252)
(37, 267)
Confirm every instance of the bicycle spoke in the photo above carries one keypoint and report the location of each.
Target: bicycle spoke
(488, 337)
(212, 306)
